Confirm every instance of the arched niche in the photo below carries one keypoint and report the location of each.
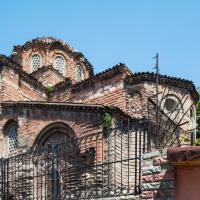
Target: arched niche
(54, 133)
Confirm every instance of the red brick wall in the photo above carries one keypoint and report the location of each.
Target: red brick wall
(48, 57)
(33, 121)
(49, 78)
(15, 89)
(132, 99)
(108, 92)
(114, 98)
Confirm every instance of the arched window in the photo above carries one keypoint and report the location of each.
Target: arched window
(60, 146)
(36, 62)
(79, 73)
(59, 64)
(54, 133)
(171, 104)
(11, 134)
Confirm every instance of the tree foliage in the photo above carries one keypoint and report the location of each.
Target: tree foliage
(198, 117)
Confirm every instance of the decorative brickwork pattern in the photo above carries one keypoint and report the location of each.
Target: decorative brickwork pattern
(48, 76)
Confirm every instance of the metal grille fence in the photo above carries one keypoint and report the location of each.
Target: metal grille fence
(105, 164)
(170, 128)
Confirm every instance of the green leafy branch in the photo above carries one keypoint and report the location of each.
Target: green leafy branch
(106, 120)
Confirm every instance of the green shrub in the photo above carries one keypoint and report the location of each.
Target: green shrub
(106, 120)
(184, 138)
(49, 91)
(197, 142)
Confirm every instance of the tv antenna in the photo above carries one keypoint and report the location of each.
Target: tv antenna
(157, 91)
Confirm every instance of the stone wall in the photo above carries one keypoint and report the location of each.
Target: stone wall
(158, 177)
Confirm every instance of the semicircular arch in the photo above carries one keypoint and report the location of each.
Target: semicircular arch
(54, 132)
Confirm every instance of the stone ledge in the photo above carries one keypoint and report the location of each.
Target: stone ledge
(183, 154)
(161, 198)
(152, 154)
(129, 197)
(158, 185)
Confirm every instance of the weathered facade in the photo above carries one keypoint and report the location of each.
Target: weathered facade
(50, 94)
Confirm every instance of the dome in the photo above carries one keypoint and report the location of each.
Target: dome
(49, 51)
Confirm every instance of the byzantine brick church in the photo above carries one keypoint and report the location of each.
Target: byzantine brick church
(49, 92)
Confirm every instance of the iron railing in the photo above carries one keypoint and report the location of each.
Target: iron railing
(99, 165)
(169, 128)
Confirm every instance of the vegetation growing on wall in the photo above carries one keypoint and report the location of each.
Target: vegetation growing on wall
(106, 120)
(49, 91)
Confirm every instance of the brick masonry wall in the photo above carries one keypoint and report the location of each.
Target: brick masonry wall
(121, 146)
(158, 177)
(32, 121)
(132, 99)
(15, 89)
(108, 92)
(47, 58)
(137, 100)
(49, 78)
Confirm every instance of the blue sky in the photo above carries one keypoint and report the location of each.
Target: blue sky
(111, 31)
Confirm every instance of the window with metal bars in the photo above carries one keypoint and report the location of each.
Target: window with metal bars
(79, 73)
(36, 62)
(11, 134)
(59, 64)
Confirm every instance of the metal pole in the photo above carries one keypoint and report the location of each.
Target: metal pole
(157, 91)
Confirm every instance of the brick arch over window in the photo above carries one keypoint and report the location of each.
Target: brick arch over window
(57, 132)
(7, 123)
(173, 107)
(172, 103)
(36, 61)
(80, 75)
(60, 63)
